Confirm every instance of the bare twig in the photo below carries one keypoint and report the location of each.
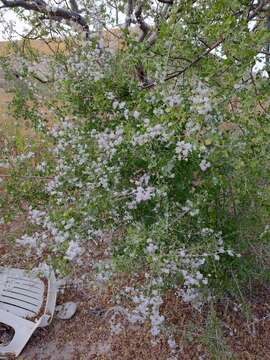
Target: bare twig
(170, 2)
(194, 62)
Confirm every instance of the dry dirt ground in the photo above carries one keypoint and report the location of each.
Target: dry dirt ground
(87, 335)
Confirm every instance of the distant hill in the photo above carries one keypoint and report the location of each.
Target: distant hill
(110, 38)
(7, 49)
(38, 45)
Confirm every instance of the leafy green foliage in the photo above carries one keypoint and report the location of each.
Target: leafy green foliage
(175, 167)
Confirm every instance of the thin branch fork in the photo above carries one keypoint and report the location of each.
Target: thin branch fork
(194, 62)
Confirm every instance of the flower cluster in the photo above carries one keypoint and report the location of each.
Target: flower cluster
(183, 150)
(152, 132)
(143, 192)
(108, 140)
(201, 99)
(204, 165)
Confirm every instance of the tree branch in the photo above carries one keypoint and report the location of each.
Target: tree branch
(145, 28)
(128, 14)
(53, 12)
(170, 2)
(74, 6)
(262, 7)
(194, 62)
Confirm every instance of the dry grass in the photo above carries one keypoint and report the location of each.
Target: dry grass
(42, 47)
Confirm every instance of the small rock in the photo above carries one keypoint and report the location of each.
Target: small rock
(98, 311)
(65, 311)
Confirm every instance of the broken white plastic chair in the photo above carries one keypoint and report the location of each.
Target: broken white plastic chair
(27, 301)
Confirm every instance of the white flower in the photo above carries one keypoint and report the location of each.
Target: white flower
(28, 240)
(25, 156)
(173, 100)
(171, 343)
(69, 224)
(183, 150)
(158, 112)
(73, 251)
(199, 275)
(205, 281)
(201, 100)
(190, 209)
(204, 165)
(42, 166)
(151, 248)
(122, 105)
(115, 104)
(142, 194)
(136, 114)
(126, 113)
(116, 328)
(182, 253)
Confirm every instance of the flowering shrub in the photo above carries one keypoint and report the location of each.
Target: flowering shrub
(169, 170)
